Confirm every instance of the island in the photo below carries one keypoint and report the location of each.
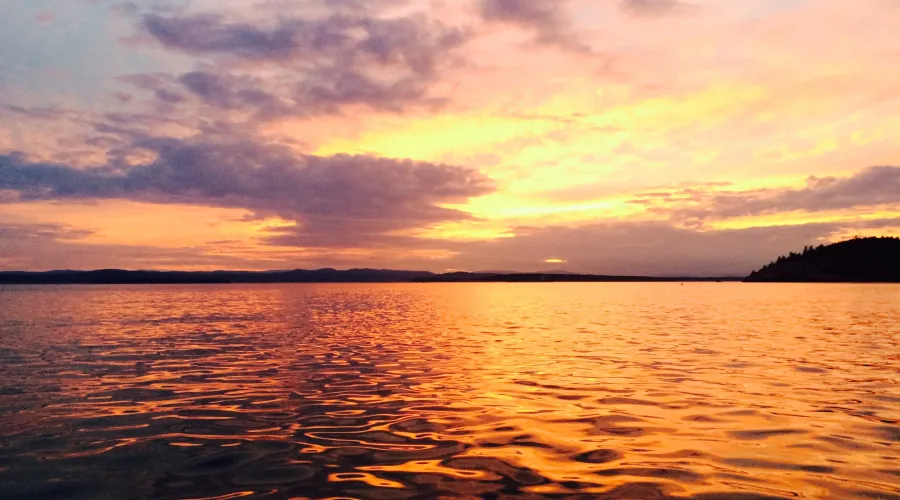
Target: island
(859, 260)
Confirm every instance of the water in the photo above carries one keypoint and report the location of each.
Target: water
(640, 391)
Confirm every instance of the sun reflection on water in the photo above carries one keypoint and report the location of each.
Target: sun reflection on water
(703, 391)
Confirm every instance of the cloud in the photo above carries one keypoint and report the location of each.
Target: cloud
(651, 7)
(358, 198)
(545, 17)
(19, 232)
(413, 43)
(41, 113)
(210, 33)
(322, 91)
(233, 93)
(55, 246)
(169, 97)
(38, 247)
(871, 187)
(538, 14)
(622, 248)
(208, 87)
(649, 248)
(313, 65)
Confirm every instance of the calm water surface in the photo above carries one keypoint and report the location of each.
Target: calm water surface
(639, 391)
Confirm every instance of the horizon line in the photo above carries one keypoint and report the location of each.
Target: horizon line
(557, 272)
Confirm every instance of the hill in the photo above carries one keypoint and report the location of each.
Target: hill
(860, 260)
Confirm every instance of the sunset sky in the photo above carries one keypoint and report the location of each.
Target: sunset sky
(657, 137)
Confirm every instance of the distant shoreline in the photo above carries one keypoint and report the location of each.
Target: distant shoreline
(123, 277)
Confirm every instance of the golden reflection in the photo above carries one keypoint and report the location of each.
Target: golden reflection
(432, 467)
(230, 496)
(369, 479)
(460, 390)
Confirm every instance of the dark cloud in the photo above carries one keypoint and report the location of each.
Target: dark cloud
(545, 17)
(321, 91)
(871, 187)
(233, 93)
(538, 14)
(315, 65)
(169, 97)
(409, 42)
(327, 90)
(356, 199)
(207, 86)
(210, 33)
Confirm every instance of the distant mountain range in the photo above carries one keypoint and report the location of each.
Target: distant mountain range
(856, 260)
(860, 260)
(118, 276)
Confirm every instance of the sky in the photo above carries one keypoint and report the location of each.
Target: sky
(651, 137)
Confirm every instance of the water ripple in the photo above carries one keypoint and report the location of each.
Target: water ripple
(644, 391)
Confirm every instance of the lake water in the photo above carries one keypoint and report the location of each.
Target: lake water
(621, 391)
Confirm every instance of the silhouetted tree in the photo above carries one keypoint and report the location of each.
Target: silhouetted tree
(856, 260)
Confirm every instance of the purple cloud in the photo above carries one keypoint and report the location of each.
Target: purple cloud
(358, 197)
(209, 33)
(871, 187)
(322, 64)
(411, 43)
(545, 17)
